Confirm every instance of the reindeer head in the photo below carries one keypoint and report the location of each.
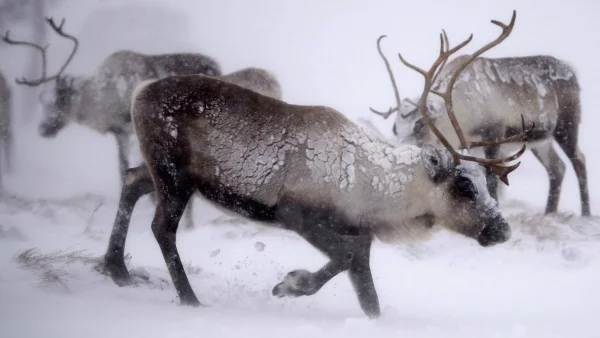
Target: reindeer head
(57, 102)
(411, 128)
(460, 200)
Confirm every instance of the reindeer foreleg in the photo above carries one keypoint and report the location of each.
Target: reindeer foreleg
(346, 252)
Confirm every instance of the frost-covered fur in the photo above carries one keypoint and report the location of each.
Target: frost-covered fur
(102, 101)
(308, 169)
(256, 79)
(489, 98)
(6, 137)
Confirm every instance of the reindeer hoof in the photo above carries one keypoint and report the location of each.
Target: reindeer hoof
(296, 283)
(190, 301)
(116, 271)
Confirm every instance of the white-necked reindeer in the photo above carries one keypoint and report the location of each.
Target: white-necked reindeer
(490, 98)
(102, 101)
(307, 169)
(6, 136)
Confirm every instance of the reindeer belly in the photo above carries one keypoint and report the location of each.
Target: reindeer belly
(230, 200)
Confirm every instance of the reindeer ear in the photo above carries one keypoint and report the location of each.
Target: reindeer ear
(437, 163)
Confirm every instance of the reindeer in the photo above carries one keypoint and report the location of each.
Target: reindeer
(6, 137)
(307, 169)
(102, 101)
(491, 97)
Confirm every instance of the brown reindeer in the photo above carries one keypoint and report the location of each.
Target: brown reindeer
(490, 98)
(307, 169)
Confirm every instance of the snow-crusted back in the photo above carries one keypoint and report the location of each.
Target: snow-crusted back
(497, 91)
(492, 96)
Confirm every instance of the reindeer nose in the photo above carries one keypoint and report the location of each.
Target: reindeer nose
(496, 231)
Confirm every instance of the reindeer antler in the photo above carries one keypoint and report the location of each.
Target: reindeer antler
(59, 30)
(386, 114)
(392, 79)
(447, 96)
(6, 38)
(429, 76)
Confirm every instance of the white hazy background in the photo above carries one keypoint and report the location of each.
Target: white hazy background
(324, 53)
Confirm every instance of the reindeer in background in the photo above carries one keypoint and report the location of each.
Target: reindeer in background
(6, 136)
(102, 101)
(490, 98)
(307, 169)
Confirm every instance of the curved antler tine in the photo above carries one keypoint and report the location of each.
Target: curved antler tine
(42, 49)
(59, 30)
(503, 171)
(446, 41)
(442, 49)
(445, 46)
(510, 24)
(387, 114)
(493, 161)
(513, 156)
(411, 66)
(50, 21)
(6, 38)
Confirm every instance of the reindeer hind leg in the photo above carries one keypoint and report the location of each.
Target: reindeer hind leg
(566, 135)
(555, 167)
(137, 183)
(174, 188)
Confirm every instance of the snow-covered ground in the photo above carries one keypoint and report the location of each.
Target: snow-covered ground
(62, 194)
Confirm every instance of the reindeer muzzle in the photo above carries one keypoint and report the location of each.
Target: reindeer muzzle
(496, 231)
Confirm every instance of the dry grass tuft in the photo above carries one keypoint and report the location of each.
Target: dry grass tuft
(50, 267)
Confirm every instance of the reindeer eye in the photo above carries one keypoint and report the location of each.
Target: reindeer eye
(463, 187)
